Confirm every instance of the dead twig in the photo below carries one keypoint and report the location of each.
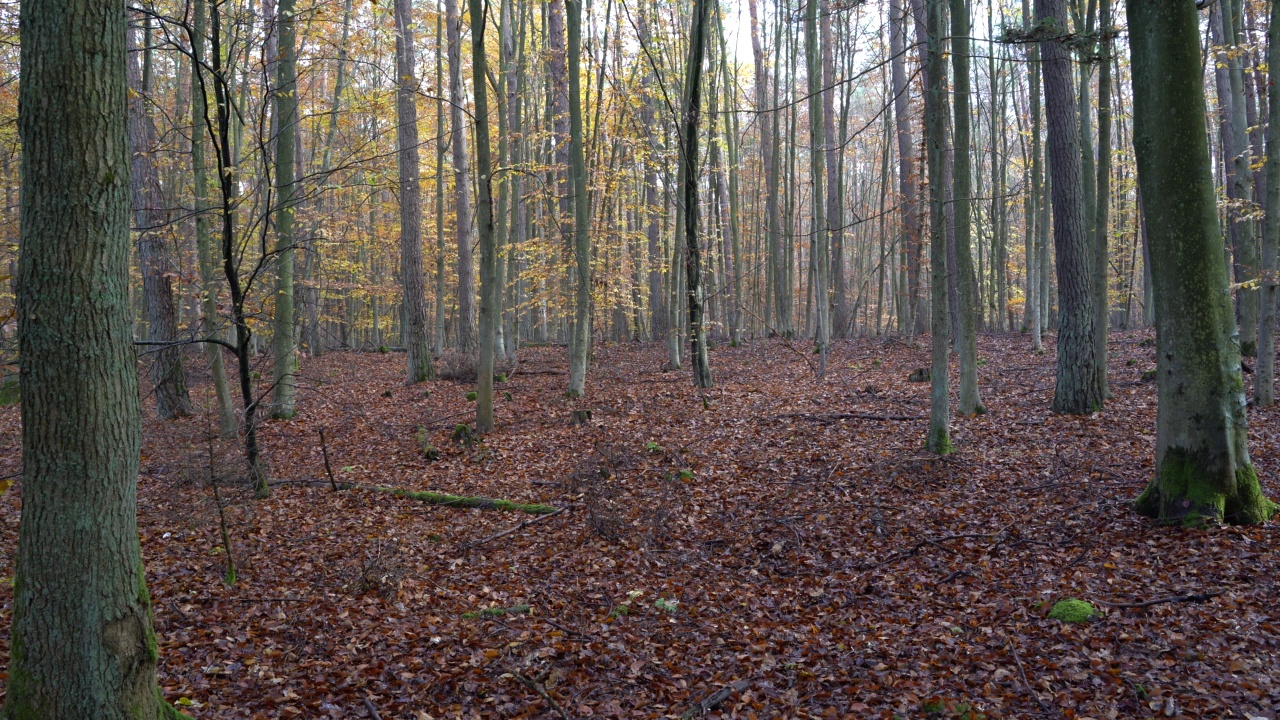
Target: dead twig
(324, 448)
(1195, 598)
(535, 687)
(519, 527)
(850, 416)
(1023, 671)
(714, 700)
(373, 711)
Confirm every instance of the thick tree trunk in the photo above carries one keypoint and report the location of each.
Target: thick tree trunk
(82, 643)
(580, 339)
(149, 217)
(466, 337)
(413, 280)
(1077, 389)
(1203, 473)
(286, 118)
(962, 182)
(939, 439)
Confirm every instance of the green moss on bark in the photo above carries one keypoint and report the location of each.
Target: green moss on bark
(1186, 493)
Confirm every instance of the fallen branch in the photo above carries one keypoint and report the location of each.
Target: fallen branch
(714, 700)
(849, 416)
(324, 448)
(373, 711)
(1023, 671)
(1195, 598)
(519, 527)
(460, 501)
(541, 693)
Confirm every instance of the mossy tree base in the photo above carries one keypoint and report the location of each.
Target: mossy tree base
(1185, 492)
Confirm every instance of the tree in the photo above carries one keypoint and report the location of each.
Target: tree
(1203, 474)
(580, 332)
(462, 182)
(82, 643)
(284, 346)
(1102, 210)
(1077, 390)
(908, 176)
(490, 310)
(149, 219)
(935, 109)
(412, 280)
(817, 167)
(1264, 384)
(699, 31)
(962, 184)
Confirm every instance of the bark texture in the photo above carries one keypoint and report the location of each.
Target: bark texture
(1203, 473)
(82, 644)
(284, 346)
(935, 110)
(462, 183)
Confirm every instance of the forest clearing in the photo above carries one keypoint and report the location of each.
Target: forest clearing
(826, 563)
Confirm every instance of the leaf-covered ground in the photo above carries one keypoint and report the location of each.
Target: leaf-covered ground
(826, 565)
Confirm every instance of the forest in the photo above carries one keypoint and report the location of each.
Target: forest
(434, 359)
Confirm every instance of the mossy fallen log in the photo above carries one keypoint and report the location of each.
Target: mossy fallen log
(459, 501)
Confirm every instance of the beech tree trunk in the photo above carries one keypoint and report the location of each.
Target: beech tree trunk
(82, 643)
(1203, 473)
(490, 310)
(692, 114)
(284, 347)
(462, 183)
(908, 174)
(1264, 383)
(935, 110)
(413, 281)
(580, 339)
(962, 184)
(1077, 390)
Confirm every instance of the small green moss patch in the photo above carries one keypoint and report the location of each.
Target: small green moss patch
(1072, 611)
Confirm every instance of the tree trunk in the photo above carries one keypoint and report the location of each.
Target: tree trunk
(692, 107)
(908, 175)
(939, 439)
(1102, 217)
(961, 178)
(1077, 387)
(466, 338)
(286, 118)
(1264, 383)
(200, 126)
(149, 219)
(1241, 178)
(1203, 473)
(490, 311)
(580, 339)
(82, 643)
(820, 246)
(417, 339)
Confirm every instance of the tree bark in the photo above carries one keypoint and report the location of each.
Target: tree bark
(939, 439)
(1264, 383)
(82, 643)
(1102, 217)
(821, 249)
(962, 184)
(466, 337)
(692, 114)
(490, 311)
(1077, 387)
(417, 339)
(1203, 473)
(580, 339)
(908, 175)
(149, 219)
(284, 347)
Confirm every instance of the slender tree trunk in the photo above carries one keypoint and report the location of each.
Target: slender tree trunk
(1102, 218)
(466, 338)
(961, 173)
(1241, 178)
(438, 333)
(490, 311)
(692, 107)
(82, 643)
(1203, 474)
(417, 339)
(286, 118)
(820, 247)
(908, 175)
(939, 439)
(1077, 387)
(1264, 383)
(200, 126)
(580, 340)
(149, 218)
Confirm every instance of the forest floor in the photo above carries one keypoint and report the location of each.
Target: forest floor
(750, 540)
